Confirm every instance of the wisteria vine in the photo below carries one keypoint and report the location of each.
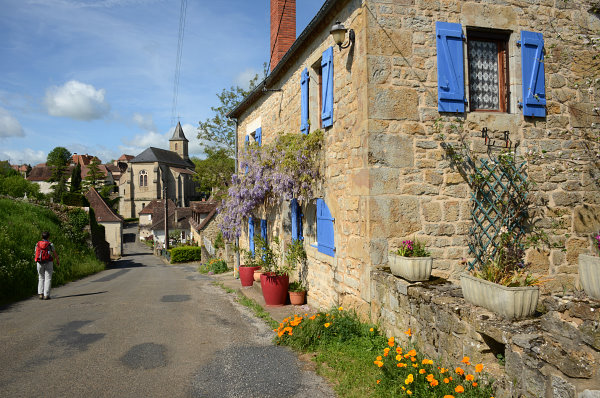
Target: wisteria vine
(284, 169)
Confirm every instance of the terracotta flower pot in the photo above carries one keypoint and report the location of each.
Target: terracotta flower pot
(297, 298)
(509, 302)
(247, 275)
(411, 268)
(589, 275)
(274, 288)
(257, 275)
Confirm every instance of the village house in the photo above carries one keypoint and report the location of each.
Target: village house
(148, 173)
(408, 75)
(204, 228)
(150, 214)
(112, 222)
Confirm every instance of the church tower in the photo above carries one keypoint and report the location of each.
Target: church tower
(178, 143)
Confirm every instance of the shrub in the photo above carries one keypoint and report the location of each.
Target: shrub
(214, 266)
(75, 199)
(184, 254)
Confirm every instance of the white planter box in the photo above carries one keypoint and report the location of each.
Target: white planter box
(509, 302)
(589, 275)
(413, 269)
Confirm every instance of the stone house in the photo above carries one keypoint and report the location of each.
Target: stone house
(112, 222)
(144, 179)
(414, 68)
(150, 214)
(178, 221)
(204, 228)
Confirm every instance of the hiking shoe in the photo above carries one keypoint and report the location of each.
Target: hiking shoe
(46, 297)
(41, 296)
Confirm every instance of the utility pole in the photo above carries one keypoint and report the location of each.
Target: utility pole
(166, 214)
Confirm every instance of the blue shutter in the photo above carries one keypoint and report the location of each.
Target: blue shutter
(247, 141)
(304, 126)
(263, 230)
(258, 136)
(327, 88)
(450, 70)
(325, 235)
(296, 216)
(532, 71)
(251, 235)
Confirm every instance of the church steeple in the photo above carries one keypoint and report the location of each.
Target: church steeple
(178, 143)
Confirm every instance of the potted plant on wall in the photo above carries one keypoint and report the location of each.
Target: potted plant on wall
(247, 270)
(275, 279)
(295, 257)
(589, 271)
(411, 261)
(502, 284)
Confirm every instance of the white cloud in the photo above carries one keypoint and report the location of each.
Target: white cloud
(27, 155)
(76, 100)
(9, 125)
(145, 122)
(243, 78)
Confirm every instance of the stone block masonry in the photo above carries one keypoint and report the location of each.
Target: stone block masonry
(555, 354)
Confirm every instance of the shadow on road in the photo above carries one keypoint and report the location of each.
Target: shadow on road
(125, 264)
(80, 295)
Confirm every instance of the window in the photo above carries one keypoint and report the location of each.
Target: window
(487, 54)
(487, 65)
(175, 146)
(143, 178)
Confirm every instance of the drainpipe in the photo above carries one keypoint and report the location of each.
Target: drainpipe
(236, 265)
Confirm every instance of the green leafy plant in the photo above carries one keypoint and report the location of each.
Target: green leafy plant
(296, 286)
(214, 266)
(184, 254)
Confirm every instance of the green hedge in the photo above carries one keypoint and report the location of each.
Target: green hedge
(184, 254)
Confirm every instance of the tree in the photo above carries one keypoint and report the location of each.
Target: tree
(16, 186)
(94, 175)
(6, 170)
(76, 179)
(215, 171)
(218, 132)
(58, 159)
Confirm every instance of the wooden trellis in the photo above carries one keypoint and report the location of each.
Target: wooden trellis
(498, 196)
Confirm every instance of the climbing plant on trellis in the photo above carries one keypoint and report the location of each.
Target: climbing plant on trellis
(499, 204)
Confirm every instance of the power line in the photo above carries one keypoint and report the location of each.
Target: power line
(182, 14)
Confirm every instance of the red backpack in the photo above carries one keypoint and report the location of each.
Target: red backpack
(42, 251)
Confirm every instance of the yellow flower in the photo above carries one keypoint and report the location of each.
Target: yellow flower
(370, 330)
(478, 367)
(409, 392)
(409, 379)
(341, 309)
(401, 365)
(459, 389)
(415, 365)
(327, 324)
(427, 362)
(398, 358)
(448, 396)
(421, 371)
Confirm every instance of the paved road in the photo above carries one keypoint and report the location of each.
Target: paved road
(144, 329)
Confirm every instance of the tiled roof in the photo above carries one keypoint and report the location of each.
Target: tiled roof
(41, 172)
(83, 160)
(170, 158)
(183, 171)
(182, 222)
(157, 204)
(126, 158)
(102, 212)
(203, 207)
(178, 134)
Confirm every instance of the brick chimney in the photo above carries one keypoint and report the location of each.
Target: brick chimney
(283, 18)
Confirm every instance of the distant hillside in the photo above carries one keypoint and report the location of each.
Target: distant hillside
(21, 225)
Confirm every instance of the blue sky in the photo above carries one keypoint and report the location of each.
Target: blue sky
(96, 76)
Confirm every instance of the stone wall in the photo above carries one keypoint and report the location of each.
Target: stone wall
(555, 354)
(414, 189)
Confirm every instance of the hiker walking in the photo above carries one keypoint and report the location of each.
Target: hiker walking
(45, 253)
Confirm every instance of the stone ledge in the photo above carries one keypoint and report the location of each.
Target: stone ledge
(556, 351)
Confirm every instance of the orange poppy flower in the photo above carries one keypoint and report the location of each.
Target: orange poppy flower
(409, 379)
(379, 358)
(415, 365)
(401, 365)
(378, 381)
(398, 358)
(434, 383)
(469, 377)
(412, 353)
(421, 371)
(446, 380)
(327, 324)
(429, 377)
(408, 332)
(459, 389)
(478, 367)
(370, 330)
(466, 360)
(448, 396)
(474, 384)
(409, 392)
(460, 371)
(341, 309)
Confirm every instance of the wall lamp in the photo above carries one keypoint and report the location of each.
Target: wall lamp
(338, 31)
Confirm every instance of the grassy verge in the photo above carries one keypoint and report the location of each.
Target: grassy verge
(21, 225)
(256, 308)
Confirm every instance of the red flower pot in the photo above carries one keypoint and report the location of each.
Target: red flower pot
(247, 275)
(274, 288)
